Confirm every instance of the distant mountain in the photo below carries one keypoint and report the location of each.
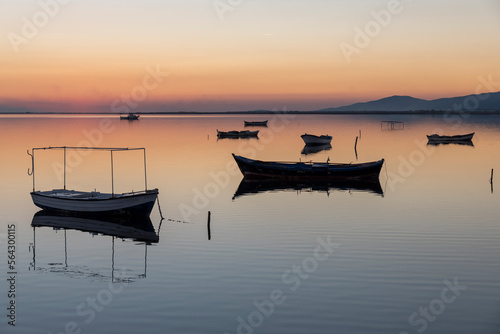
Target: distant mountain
(481, 102)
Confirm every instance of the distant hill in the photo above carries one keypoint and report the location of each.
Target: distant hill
(481, 102)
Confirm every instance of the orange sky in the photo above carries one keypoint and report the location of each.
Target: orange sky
(259, 55)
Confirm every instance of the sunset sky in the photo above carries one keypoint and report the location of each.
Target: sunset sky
(209, 55)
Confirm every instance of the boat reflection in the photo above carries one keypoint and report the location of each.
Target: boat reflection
(138, 229)
(256, 186)
(311, 149)
(463, 143)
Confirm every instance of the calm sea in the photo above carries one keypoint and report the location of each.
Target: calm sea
(419, 253)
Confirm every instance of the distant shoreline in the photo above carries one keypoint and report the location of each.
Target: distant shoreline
(268, 112)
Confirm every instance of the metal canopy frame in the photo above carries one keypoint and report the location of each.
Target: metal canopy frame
(76, 148)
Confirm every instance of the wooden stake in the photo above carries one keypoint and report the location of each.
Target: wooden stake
(355, 148)
(208, 226)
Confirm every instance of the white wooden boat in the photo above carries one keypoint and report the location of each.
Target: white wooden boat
(316, 140)
(132, 203)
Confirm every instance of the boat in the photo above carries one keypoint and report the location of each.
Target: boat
(130, 117)
(307, 170)
(258, 186)
(136, 203)
(237, 134)
(316, 140)
(311, 149)
(450, 139)
(255, 123)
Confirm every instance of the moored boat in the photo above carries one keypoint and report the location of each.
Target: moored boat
(130, 117)
(255, 123)
(316, 140)
(449, 139)
(237, 134)
(138, 203)
(307, 170)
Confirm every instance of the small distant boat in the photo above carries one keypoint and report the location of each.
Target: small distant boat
(307, 170)
(138, 203)
(450, 139)
(130, 117)
(237, 134)
(255, 123)
(316, 140)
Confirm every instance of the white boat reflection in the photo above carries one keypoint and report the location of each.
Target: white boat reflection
(138, 229)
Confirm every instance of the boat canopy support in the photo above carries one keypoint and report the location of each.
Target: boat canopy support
(31, 172)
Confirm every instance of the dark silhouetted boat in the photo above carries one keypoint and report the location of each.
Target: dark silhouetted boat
(316, 140)
(307, 170)
(255, 123)
(130, 117)
(237, 134)
(450, 139)
(257, 186)
(311, 149)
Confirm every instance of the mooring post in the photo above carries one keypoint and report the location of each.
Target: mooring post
(208, 226)
(491, 180)
(355, 148)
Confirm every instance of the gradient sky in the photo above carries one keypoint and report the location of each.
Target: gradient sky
(261, 54)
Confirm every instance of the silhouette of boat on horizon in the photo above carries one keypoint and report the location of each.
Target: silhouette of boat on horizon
(130, 117)
(255, 123)
(312, 149)
(435, 138)
(237, 134)
(258, 186)
(308, 170)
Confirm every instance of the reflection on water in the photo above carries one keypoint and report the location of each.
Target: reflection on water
(437, 220)
(256, 186)
(463, 143)
(311, 149)
(138, 229)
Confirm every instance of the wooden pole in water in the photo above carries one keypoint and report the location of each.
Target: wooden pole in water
(355, 148)
(491, 181)
(208, 226)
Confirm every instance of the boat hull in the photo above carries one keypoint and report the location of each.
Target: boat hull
(316, 140)
(138, 204)
(450, 139)
(255, 123)
(237, 134)
(307, 171)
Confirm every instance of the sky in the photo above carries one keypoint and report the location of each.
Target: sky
(219, 55)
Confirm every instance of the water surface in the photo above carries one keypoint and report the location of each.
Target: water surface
(432, 223)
